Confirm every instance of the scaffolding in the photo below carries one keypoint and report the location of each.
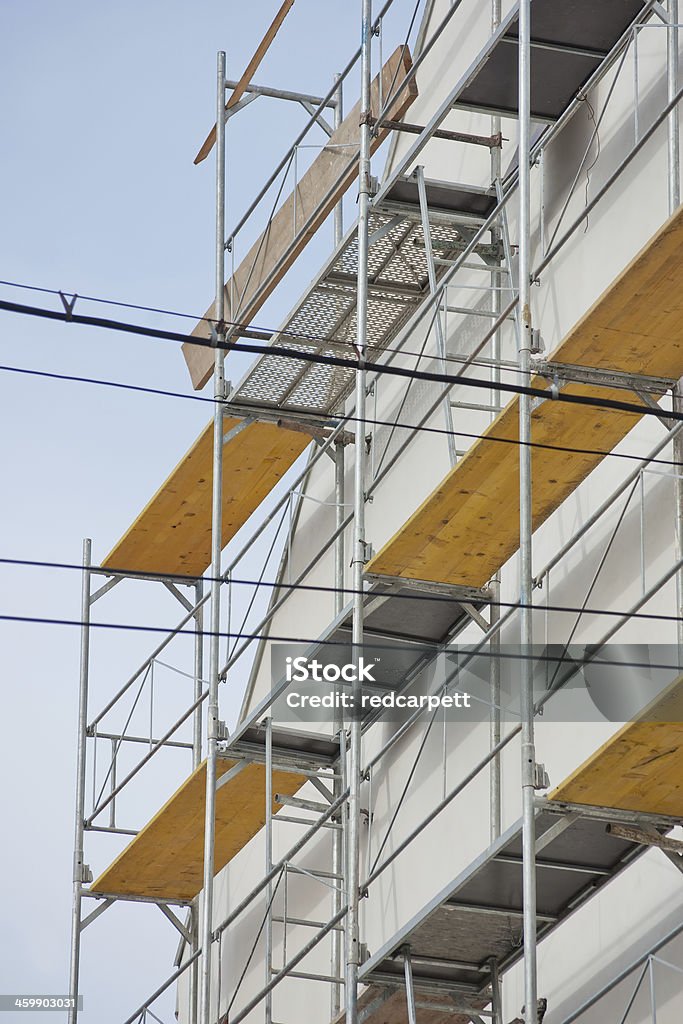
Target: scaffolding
(407, 264)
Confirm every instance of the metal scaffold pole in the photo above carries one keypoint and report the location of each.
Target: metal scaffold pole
(216, 548)
(495, 816)
(674, 154)
(196, 759)
(337, 951)
(673, 123)
(198, 674)
(79, 813)
(528, 765)
(338, 868)
(496, 997)
(359, 548)
(338, 727)
(268, 958)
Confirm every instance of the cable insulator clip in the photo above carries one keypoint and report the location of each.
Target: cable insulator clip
(68, 304)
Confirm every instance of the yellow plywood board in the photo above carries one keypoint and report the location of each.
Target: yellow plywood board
(302, 213)
(166, 858)
(641, 767)
(173, 532)
(469, 526)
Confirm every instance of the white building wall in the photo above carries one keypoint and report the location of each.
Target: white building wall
(642, 903)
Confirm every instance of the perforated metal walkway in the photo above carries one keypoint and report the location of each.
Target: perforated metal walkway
(324, 321)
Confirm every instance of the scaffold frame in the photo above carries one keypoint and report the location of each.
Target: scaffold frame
(406, 210)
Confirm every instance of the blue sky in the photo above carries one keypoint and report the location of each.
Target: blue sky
(105, 107)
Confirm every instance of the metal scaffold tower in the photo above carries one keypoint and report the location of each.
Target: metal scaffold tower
(423, 255)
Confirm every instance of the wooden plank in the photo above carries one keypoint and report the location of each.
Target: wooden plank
(300, 216)
(245, 80)
(166, 858)
(641, 767)
(173, 532)
(469, 526)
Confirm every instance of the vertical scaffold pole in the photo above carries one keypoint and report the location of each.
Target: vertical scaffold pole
(340, 509)
(678, 516)
(674, 202)
(359, 550)
(196, 759)
(336, 951)
(198, 674)
(496, 997)
(79, 812)
(338, 868)
(528, 765)
(339, 600)
(495, 816)
(268, 865)
(216, 547)
(673, 122)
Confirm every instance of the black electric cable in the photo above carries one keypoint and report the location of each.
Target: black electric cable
(325, 420)
(316, 358)
(498, 655)
(255, 331)
(321, 589)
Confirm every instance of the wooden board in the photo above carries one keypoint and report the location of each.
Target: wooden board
(469, 526)
(317, 193)
(250, 71)
(166, 858)
(641, 767)
(173, 532)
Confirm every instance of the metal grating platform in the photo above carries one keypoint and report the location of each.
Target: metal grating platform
(479, 915)
(569, 40)
(324, 321)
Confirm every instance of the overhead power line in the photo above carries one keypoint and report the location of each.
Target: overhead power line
(322, 589)
(261, 333)
(253, 331)
(498, 655)
(317, 358)
(325, 420)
